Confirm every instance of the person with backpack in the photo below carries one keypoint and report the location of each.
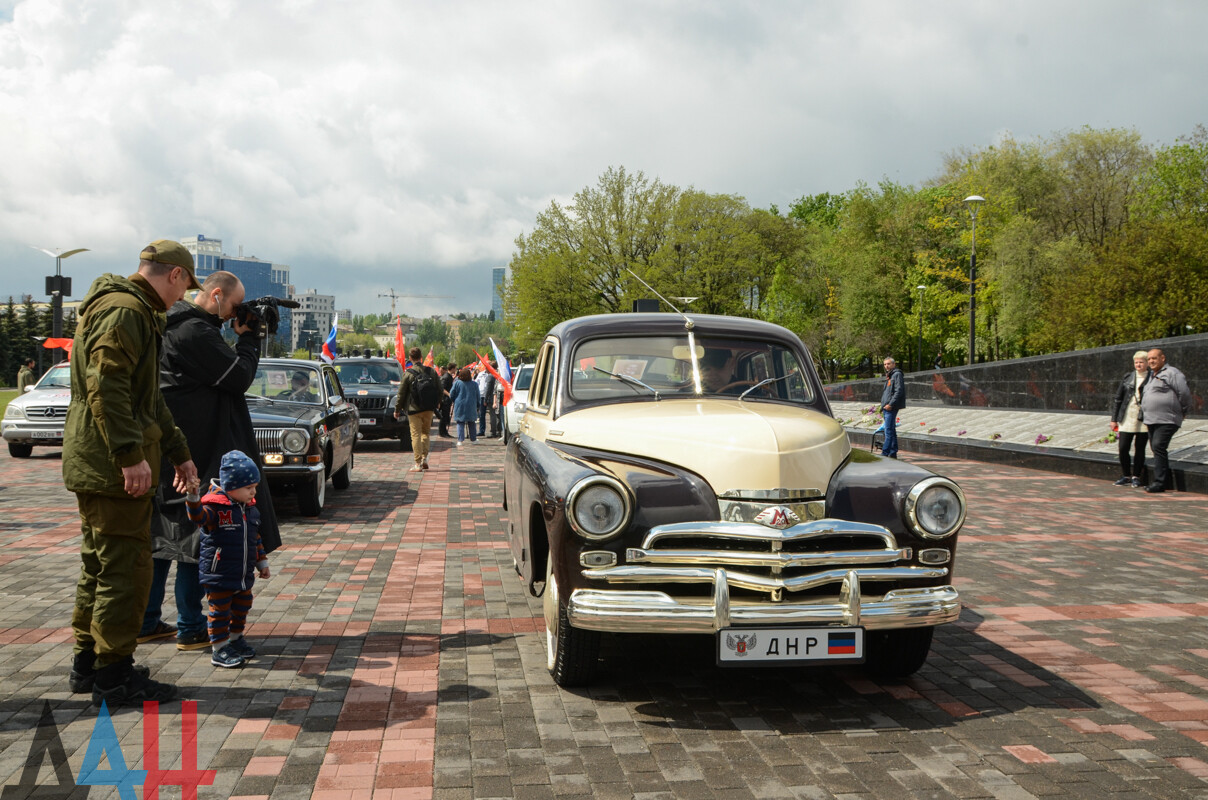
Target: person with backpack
(419, 396)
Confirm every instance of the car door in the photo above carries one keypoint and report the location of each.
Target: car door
(525, 481)
(341, 420)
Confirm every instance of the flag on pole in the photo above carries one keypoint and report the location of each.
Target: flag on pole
(329, 344)
(505, 369)
(430, 360)
(507, 385)
(400, 345)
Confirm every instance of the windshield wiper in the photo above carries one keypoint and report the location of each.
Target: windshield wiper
(630, 379)
(765, 382)
(269, 400)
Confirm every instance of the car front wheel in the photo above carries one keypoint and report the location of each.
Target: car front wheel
(570, 653)
(893, 655)
(20, 450)
(312, 496)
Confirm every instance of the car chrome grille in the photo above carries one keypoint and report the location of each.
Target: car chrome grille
(810, 557)
(368, 403)
(45, 412)
(268, 440)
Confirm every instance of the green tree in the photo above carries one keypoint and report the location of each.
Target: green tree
(432, 331)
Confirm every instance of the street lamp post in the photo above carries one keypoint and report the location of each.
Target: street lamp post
(921, 288)
(973, 201)
(57, 286)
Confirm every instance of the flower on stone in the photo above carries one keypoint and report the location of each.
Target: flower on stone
(1041, 438)
(994, 436)
(961, 432)
(932, 430)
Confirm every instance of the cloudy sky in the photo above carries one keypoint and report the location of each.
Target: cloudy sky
(378, 144)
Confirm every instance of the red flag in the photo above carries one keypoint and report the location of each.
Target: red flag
(399, 344)
(61, 343)
(429, 360)
(507, 386)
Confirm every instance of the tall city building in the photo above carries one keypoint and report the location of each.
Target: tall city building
(497, 292)
(313, 318)
(260, 278)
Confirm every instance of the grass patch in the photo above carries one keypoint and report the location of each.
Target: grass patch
(6, 397)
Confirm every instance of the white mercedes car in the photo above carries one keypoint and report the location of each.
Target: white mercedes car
(36, 417)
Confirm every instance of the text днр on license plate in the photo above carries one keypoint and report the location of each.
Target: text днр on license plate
(763, 646)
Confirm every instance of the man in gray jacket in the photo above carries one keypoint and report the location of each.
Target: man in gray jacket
(1164, 402)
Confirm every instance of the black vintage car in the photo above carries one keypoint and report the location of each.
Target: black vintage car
(684, 475)
(371, 384)
(305, 429)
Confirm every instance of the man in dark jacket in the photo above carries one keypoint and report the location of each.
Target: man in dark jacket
(893, 400)
(203, 381)
(418, 410)
(446, 405)
(117, 426)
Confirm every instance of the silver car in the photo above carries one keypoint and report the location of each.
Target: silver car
(37, 417)
(515, 407)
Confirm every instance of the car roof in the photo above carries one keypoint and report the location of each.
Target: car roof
(626, 324)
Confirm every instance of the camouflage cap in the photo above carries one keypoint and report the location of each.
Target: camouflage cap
(166, 251)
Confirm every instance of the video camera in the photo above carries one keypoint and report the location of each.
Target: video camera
(261, 315)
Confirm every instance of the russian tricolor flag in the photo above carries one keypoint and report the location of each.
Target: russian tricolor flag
(329, 344)
(841, 643)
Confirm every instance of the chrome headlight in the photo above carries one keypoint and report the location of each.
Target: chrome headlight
(294, 441)
(14, 411)
(598, 508)
(935, 508)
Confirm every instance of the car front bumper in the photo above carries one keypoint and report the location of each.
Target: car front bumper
(26, 432)
(637, 611)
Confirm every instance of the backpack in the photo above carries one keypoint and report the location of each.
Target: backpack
(425, 390)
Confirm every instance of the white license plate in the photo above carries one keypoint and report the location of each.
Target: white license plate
(368, 421)
(766, 646)
(46, 434)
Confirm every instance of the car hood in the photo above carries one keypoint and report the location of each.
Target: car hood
(58, 396)
(282, 414)
(733, 445)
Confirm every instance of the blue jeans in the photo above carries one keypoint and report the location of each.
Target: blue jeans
(461, 431)
(190, 618)
(890, 448)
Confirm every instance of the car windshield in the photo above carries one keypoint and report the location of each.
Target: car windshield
(636, 366)
(523, 378)
(58, 378)
(294, 383)
(384, 373)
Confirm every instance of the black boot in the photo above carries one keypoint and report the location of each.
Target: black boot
(122, 683)
(83, 672)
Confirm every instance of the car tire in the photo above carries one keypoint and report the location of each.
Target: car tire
(342, 479)
(312, 496)
(20, 450)
(571, 653)
(894, 655)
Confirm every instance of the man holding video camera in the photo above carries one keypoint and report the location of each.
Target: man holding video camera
(203, 381)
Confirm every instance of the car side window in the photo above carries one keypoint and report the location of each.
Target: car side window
(541, 394)
(334, 390)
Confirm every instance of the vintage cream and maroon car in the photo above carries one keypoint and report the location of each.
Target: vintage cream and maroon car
(684, 474)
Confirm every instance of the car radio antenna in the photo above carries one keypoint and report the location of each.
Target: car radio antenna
(688, 323)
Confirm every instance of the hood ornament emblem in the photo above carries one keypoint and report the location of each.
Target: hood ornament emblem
(779, 517)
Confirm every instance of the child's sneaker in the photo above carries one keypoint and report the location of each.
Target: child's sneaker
(226, 657)
(244, 649)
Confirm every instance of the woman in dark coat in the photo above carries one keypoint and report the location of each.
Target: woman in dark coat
(1128, 425)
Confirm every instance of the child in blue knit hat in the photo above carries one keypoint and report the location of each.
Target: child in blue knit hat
(231, 554)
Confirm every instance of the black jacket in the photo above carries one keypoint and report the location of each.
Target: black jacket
(1120, 405)
(203, 381)
(894, 393)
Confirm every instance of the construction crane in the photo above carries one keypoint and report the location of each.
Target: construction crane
(395, 296)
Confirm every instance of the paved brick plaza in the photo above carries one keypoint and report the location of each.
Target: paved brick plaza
(400, 658)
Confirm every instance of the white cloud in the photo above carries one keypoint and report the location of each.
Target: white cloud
(375, 144)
